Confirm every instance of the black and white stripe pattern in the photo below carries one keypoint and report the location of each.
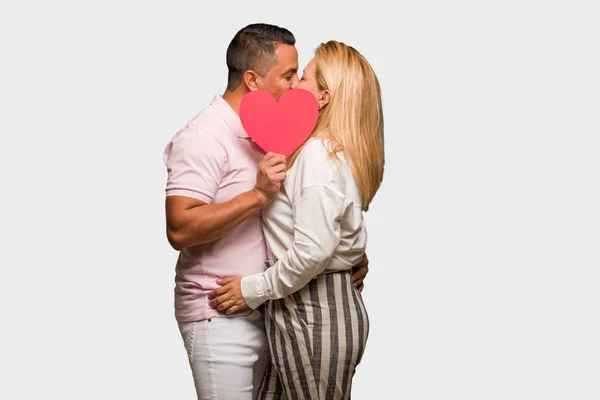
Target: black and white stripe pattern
(317, 337)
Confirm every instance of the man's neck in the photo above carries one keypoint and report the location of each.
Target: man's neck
(234, 99)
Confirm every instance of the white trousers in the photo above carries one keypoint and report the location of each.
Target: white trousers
(228, 355)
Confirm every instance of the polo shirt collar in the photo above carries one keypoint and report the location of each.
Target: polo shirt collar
(230, 117)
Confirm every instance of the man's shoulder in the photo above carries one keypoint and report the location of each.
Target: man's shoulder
(207, 124)
(209, 120)
(195, 134)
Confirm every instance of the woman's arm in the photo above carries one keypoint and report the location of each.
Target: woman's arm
(317, 231)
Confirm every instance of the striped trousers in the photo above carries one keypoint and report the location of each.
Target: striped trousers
(316, 337)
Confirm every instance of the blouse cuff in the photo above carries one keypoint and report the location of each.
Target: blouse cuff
(252, 290)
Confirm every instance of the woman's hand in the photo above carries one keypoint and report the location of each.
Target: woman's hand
(228, 297)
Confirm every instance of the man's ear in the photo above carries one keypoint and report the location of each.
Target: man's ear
(251, 80)
(324, 98)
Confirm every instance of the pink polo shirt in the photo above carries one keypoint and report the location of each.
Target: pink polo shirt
(212, 159)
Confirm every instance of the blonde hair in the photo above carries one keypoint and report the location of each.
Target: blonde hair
(352, 121)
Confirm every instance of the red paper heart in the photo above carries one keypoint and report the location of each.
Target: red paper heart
(279, 127)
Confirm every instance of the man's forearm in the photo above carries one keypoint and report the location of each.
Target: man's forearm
(208, 222)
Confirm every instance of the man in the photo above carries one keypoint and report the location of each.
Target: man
(218, 181)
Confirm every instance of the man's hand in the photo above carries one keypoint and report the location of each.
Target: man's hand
(228, 297)
(359, 272)
(271, 172)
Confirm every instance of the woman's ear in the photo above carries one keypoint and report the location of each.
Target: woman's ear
(251, 80)
(324, 98)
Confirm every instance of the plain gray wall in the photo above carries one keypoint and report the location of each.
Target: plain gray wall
(484, 238)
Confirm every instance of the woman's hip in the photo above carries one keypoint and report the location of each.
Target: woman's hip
(328, 311)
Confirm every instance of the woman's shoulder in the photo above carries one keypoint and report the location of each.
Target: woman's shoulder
(315, 150)
(314, 165)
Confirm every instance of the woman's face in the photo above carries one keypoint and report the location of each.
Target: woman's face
(309, 82)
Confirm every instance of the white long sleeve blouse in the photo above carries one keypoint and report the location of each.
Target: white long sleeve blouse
(314, 225)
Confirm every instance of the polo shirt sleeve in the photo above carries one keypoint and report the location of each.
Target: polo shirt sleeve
(195, 161)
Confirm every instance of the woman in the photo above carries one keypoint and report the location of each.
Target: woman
(316, 322)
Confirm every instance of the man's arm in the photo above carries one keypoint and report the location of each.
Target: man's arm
(191, 221)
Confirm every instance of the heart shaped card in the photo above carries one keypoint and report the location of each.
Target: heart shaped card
(279, 126)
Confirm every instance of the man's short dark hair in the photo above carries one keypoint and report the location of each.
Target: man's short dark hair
(253, 47)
